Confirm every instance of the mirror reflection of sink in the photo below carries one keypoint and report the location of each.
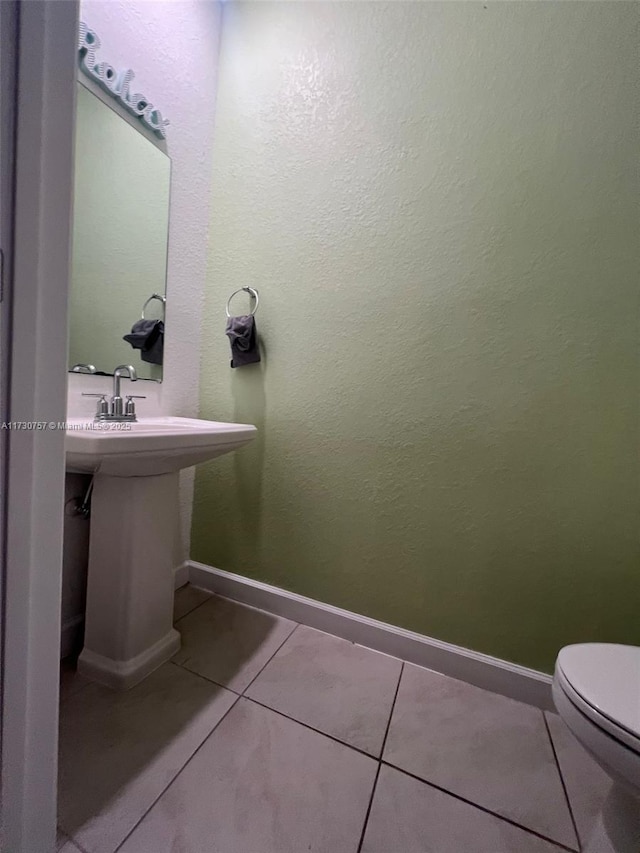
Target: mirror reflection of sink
(149, 446)
(134, 533)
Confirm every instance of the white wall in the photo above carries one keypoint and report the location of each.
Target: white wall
(173, 49)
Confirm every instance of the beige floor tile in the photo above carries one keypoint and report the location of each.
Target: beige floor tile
(587, 784)
(186, 599)
(61, 839)
(261, 784)
(484, 747)
(408, 816)
(70, 679)
(69, 847)
(229, 642)
(338, 688)
(119, 750)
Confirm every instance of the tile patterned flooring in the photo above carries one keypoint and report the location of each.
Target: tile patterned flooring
(264, 736)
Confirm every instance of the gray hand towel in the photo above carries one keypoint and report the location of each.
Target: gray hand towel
(148, 336)
(242, 334)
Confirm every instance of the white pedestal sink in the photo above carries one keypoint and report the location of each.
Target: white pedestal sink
(134, 520)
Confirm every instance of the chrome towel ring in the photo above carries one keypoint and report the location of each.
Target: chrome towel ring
(252, 293)
(153, 296)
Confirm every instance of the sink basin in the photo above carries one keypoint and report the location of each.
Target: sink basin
(150, 446)
(135, 515)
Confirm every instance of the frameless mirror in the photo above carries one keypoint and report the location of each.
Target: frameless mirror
(120, 234)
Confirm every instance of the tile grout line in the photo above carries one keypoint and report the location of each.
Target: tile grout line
(379, 768)
(188, 761)
(393, 707)
(369, 807)
(268, 707)
(193, 609)
(310, 728)
(286, 639)
(199, 675)
(559, 844)
(564, 787)
(72, 840)
(218, 683)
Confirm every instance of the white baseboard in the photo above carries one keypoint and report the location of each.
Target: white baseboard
(181, 575)
(499, 676)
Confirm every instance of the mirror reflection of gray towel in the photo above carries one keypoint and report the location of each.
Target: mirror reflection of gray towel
(242, 334)
(148, 336)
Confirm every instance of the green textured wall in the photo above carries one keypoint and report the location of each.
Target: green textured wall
(438, 204)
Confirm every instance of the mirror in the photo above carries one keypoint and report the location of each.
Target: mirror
(120, 235)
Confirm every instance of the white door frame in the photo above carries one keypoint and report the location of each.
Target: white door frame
(34, 489)
(8, 77)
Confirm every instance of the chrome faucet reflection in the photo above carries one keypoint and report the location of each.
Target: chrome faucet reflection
(116, 409)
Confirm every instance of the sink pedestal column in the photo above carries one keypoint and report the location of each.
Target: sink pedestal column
(129, 616)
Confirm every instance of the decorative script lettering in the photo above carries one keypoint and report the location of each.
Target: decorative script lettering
(118, 83)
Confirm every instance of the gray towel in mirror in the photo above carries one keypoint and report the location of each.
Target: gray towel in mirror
(243, 337)
(148, 336)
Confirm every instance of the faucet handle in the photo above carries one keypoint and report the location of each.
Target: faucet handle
(130, 406)
(103, 405)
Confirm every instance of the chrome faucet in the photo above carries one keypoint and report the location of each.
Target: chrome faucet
(117, 409)
(117, 403)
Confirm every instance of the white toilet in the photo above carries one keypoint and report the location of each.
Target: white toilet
(596, 689)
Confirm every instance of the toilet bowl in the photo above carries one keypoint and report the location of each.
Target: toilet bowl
(596, 690)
